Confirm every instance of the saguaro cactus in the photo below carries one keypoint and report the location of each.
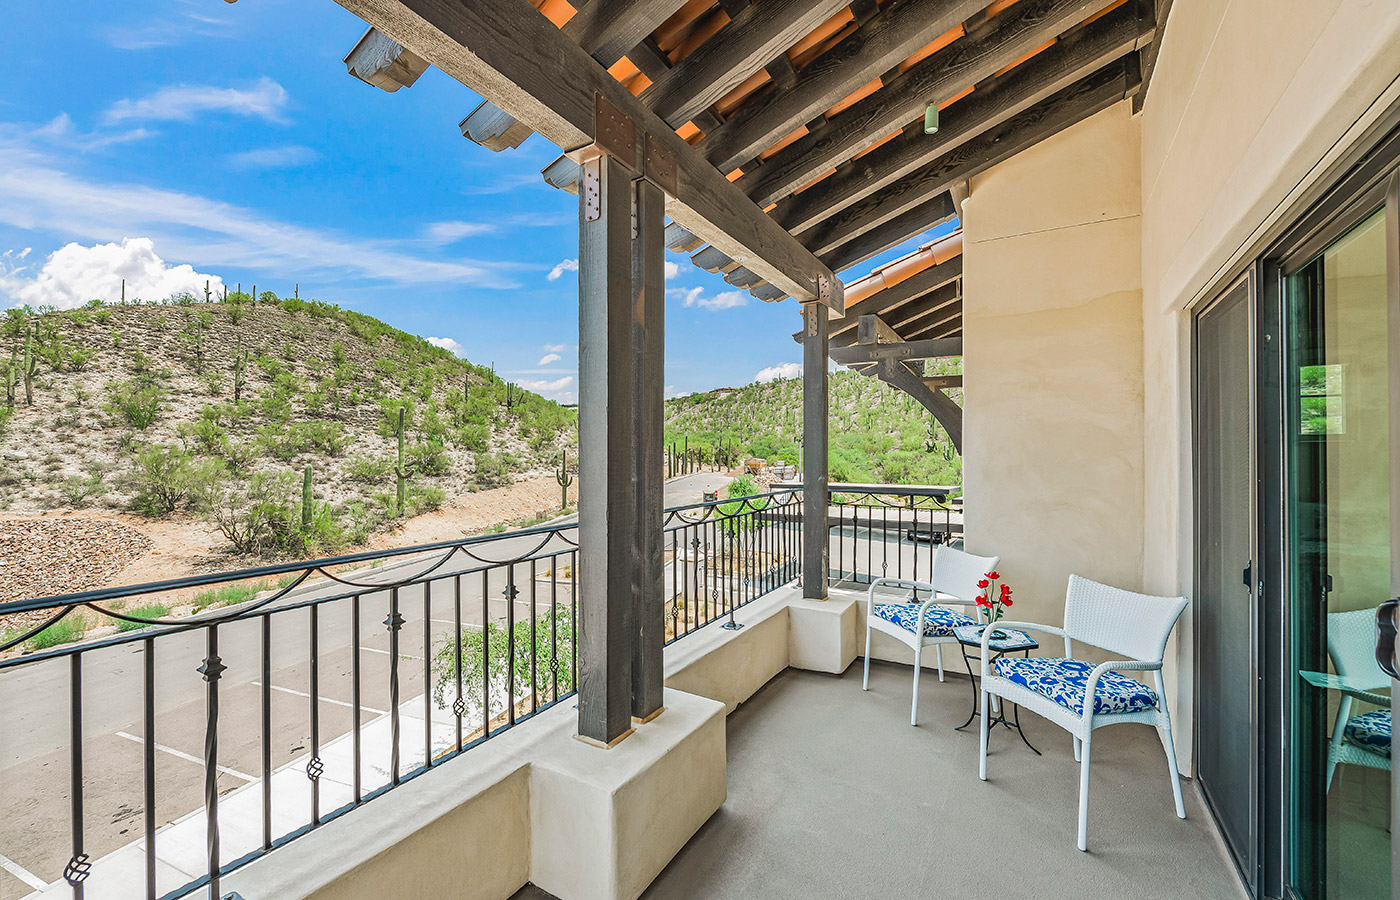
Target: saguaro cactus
(306, 497)
(565, 479)
(11, 378)
(400, 474)
(240, 362)
(31, 366)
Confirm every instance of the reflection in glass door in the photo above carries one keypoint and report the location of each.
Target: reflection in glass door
(1337, 398)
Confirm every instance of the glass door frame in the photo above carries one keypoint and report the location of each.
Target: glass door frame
(1373, 185)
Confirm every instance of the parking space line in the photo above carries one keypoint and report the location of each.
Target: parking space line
(387, 653)
(287, 690)
(23, 874)
(185, 756)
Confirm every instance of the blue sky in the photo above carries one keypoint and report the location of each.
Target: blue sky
(203, 139)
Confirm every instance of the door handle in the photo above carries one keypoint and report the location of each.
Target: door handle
(1385, 636)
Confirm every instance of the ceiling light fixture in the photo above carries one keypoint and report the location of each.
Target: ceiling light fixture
(931, 119)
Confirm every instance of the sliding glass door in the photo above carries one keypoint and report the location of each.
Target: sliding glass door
(1339, 398)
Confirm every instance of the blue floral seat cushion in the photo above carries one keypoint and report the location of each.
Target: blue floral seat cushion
(939, 621)
(1371, 730)
(1064, 681)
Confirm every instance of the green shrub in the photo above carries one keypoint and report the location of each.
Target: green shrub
(65, 631)
(369, 469)
(265, 518)
(167, 478)
(78, 489)
(225, 595)
(421, 498)
(149, 611)
(135, 402)
(428, 458)
(544, 650)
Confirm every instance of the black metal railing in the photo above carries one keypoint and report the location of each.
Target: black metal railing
(888, 530)
(298, 698)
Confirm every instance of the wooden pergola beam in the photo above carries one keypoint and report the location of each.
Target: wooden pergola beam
(929, 324)
(940, 382)
(1011, 35)
(898, 375)
(1066, 62)
(511, 55)
(929, 214)
(604, 29)
(755, 35)
(875, 330)
(905, 350)
(379, 60)
(1075, 103)
(870, 51)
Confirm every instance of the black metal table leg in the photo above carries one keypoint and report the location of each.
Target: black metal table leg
(999, 718)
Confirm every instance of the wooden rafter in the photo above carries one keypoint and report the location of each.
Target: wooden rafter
(929, 214)
(917, 285)
(867, 53)
(757, 34)
(609, 29)
(1017, 31)
(1054, 69)
(905, 318)
(902, 210)
(513, 56)
(905, 350)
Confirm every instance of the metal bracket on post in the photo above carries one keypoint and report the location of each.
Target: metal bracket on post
(592, 186)
(660, 167)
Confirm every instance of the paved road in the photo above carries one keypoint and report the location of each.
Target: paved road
(35, 727)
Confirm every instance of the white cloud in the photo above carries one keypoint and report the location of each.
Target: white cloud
(555, 348)
(287, 157)
(451, 232)
(781, 370)
(696, 297)
(549, 358)
(74, 274)
(672, 270)
(35, 196)
(447, 344)
(181, 102)
(551, 390)
(544, 387)
(567, 265)
(166, 32)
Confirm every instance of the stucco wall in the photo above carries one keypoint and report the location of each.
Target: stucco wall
(1052, 364)
(1249, 102)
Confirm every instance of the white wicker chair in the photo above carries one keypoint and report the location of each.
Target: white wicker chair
(1079, 697)
(1362, 740)
(928, 623)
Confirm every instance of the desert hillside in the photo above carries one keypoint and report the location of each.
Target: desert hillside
(226, 413)
(878, 434)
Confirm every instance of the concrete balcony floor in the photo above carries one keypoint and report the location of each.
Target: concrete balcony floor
(833, 794)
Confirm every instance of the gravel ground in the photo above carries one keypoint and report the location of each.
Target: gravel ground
(41, 558)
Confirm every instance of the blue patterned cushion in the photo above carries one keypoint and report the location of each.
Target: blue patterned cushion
(1064, 680)
(939, 621)
(1371, 730)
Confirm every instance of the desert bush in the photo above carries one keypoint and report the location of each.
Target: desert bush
(543, 649)
(369, 469)
(472, 437)
(135, 402)
(78, 358)
(79, 489)
(166, 478)
(264, 517)
(421, 498)
(489, 471)
(428, 458)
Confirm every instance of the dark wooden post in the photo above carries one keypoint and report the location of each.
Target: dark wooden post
(814, 451)
(648, 353)
(607, 453)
